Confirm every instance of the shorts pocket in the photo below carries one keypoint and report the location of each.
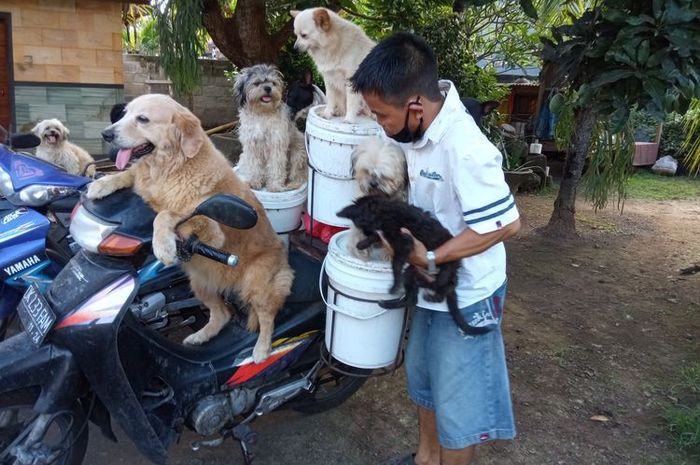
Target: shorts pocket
(485, 313)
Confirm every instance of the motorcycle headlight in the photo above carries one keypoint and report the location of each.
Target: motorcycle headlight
(38, 195)
(6, 187)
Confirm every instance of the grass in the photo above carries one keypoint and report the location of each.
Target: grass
(646, 185)
(683, 418)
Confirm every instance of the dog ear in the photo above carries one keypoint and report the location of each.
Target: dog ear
(239, 87)
(353, 161)
(294, 13)
(349, 212)
(36, 129)
(322, 19)
(189, 134)
(65, 130)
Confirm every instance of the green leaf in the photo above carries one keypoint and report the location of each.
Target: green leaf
(611, 76)
(643, 52)
(528, 8)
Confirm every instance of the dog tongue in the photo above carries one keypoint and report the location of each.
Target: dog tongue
(123, 158)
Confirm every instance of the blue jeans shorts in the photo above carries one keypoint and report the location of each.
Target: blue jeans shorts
(463, 379)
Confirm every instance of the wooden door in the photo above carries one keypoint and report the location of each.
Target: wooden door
(5, 53)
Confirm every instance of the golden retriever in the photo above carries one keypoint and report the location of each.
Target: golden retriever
(56, 149)
(174, 168)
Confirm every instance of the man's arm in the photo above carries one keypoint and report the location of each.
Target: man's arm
(466, 244)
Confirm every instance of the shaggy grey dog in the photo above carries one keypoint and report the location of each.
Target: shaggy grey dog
(274, 154)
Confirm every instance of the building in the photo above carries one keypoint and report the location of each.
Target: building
(61, 59)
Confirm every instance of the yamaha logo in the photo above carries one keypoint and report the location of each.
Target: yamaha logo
(21, 266)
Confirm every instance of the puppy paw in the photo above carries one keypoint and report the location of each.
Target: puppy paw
(196, 339)
(256, 184)
(350, 118)
(260, 352)
(165, 249)
(362, 254)
(100, 188)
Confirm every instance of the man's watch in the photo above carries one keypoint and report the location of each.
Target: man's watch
(430, 257)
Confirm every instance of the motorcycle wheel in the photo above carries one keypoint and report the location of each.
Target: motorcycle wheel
(68, 431)
(332, 389)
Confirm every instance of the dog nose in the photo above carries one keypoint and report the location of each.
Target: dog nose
(108, 135)
(268, 89)
(374, 184)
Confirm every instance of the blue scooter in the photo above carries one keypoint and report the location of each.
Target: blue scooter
(34, 214)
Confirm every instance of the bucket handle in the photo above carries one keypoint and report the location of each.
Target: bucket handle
(334, 307)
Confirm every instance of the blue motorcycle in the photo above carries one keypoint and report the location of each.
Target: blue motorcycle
(36, 240)
(34, 216)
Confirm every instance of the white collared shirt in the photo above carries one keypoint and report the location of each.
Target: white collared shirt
(455, 174)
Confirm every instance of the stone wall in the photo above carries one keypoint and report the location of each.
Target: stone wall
(213, 102)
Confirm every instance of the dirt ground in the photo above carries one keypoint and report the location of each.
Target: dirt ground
(596, 326)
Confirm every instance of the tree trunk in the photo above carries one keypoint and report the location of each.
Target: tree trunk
(563, 220)
(243, 37)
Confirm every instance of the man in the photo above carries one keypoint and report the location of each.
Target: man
(459, 383)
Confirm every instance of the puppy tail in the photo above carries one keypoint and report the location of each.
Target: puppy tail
(459, 319)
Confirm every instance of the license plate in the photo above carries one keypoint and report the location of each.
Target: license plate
(36, 315)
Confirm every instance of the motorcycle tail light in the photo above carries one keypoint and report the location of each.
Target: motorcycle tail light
(116, 244)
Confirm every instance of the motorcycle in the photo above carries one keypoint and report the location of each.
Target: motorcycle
(38, 198)
(85, 356)
(37, 240)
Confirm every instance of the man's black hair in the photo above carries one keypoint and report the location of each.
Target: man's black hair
(398, 67)
(117, 112)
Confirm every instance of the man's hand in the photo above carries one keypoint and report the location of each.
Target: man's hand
(417, 257)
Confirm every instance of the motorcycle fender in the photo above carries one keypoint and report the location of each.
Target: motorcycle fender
(50, 367)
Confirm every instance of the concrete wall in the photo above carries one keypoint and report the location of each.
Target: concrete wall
(66, 41)
(213, 103)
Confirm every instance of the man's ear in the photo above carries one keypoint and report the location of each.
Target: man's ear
(189, 133)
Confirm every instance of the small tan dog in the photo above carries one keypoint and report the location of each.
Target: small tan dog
(337, 46)
(274, 153)
(379, 168)
(176, 168)
(56, 149)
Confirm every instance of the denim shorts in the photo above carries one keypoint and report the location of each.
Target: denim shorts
(464, 379)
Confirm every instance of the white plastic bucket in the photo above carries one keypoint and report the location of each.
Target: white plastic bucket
(283, 209)
(359, 332)
(329, 144)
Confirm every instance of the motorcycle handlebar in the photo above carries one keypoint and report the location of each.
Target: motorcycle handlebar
(195, 246)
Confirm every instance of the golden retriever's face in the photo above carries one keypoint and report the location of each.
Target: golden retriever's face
(51, 132)
(311, 26)
(155, 123)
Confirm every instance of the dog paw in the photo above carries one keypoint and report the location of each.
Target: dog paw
(362, 254)
(99, 189)
(165, 250)
(276, 187)
(256, 184)
(260, 352)
(196, 339)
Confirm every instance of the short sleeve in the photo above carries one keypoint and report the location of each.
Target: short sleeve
(486, 201)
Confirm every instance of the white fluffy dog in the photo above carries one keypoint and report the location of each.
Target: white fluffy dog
(56, 149)
(379, 167)
(337, 46)
(274, 154)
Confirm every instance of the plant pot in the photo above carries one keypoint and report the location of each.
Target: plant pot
(515, 178)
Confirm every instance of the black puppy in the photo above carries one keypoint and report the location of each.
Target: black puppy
(479, 109)
(374, 214)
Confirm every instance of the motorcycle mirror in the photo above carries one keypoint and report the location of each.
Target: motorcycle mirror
(24, 141)
(229, 210)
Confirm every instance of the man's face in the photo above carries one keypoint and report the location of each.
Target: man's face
(391, 118)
